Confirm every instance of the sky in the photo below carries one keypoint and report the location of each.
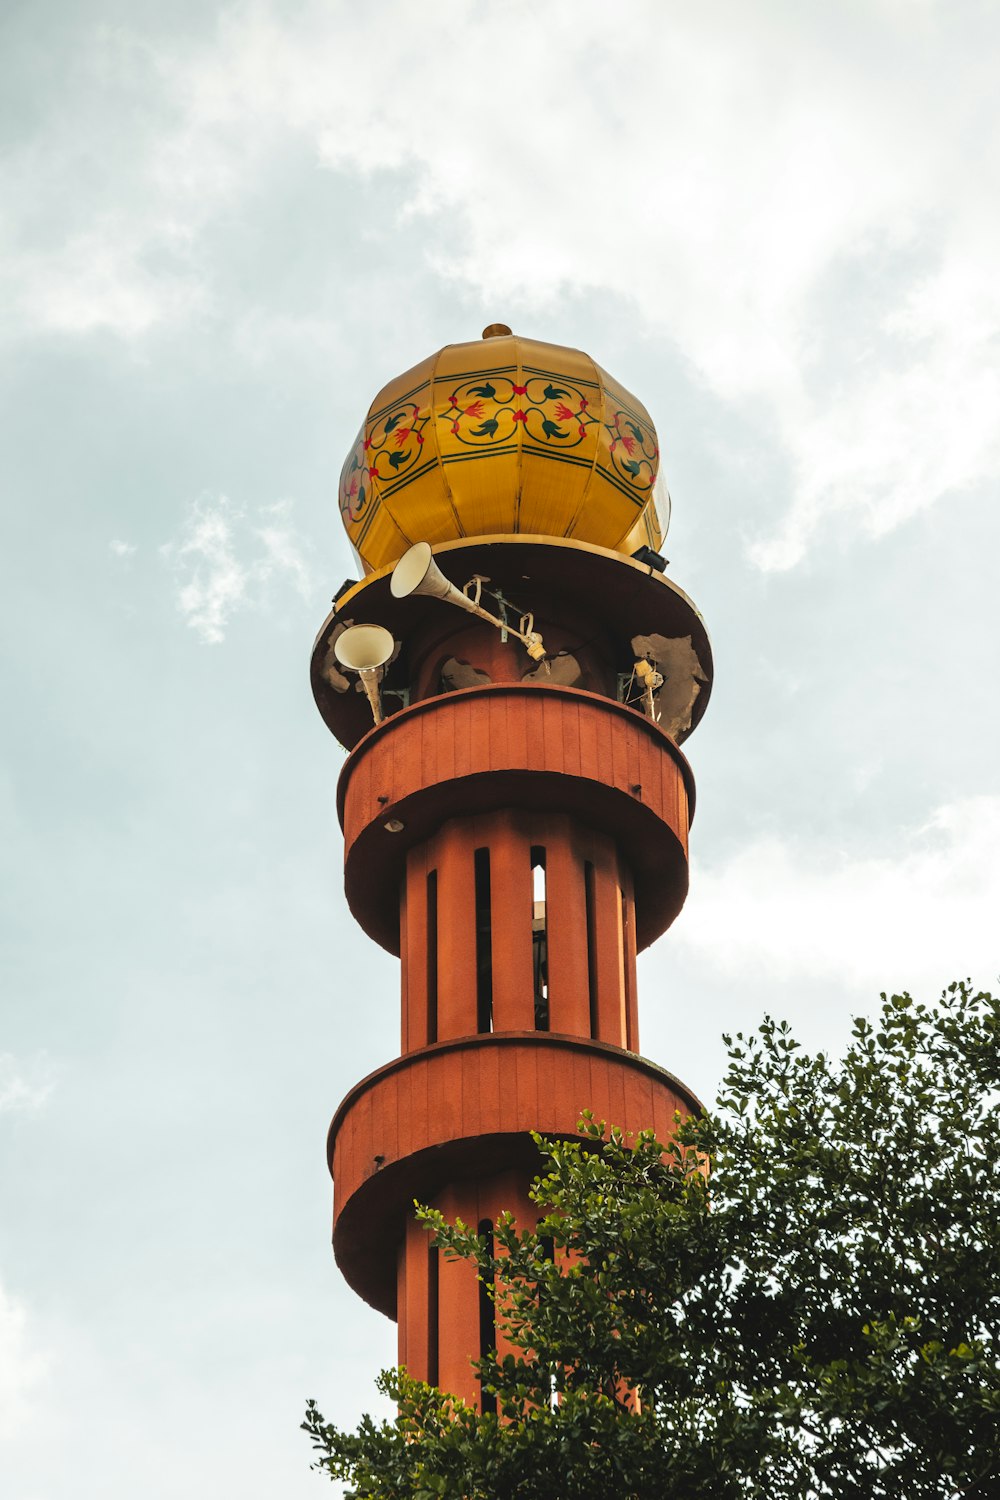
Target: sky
(224, 228)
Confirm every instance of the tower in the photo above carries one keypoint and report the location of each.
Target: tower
(515, 805)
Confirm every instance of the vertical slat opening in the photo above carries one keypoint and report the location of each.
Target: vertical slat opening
(433, 1300)
(432, 957)
(487, 1321)
(547, 1245)
(484, 943)
(590, 894)
(626, 975)
(539, 939)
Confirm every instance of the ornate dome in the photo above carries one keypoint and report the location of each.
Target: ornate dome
(498, 437)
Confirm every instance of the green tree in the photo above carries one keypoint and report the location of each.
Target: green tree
(815, 1316)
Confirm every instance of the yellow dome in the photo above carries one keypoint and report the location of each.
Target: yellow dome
(496, 437)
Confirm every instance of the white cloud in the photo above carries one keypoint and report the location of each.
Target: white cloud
(917, 916)
(721, 181)
(102, 279)
(225, 563)
(22, 1085)
(799, 205)
(122, 549)
(920, 424)
(21, 1366)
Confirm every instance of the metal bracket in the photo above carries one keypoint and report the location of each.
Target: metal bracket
(502, 607)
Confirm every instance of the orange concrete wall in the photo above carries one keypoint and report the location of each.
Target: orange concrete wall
(530, 748)
(485, 1085)
(463, 1110)
(503, 770)
(482, 730)
(601, 1004)
(439, 1336)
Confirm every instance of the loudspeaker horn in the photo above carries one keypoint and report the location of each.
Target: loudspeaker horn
(418, 573)
(365, 649)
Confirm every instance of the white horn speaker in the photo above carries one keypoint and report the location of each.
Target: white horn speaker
(418, 573)
(365, 649)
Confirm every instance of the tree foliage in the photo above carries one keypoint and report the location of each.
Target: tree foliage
(815, 1315)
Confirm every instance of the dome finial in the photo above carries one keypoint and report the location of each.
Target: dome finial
(497, 331)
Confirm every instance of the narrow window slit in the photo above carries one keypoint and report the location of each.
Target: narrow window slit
(484, 943)
(432, 1314)
(590, 893)
(539, 939)
(432, 957)
(547, 1246)
(630, 1040)
(487, 1321)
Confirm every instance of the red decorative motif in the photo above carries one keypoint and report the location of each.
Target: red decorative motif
(489, 409)
(389, 451)
(633, 449)
(355, 492)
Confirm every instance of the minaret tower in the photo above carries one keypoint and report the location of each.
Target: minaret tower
(515, 806)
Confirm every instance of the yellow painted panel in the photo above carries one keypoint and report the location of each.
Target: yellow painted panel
(477, 433)
(501, 436)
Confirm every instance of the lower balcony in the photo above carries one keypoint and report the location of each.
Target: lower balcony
(465, 1109)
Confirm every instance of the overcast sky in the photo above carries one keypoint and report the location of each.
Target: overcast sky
(223, 229)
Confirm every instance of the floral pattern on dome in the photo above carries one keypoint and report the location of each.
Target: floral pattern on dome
(633, 448)
(394, 443)
(355, 488)
(566, 451)
(549, 410)
(386, 451)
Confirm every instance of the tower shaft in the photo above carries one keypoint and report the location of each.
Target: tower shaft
(515, 829)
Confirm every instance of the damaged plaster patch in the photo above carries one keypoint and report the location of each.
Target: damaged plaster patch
(683, 676)
(560, 671)
(461, 674)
